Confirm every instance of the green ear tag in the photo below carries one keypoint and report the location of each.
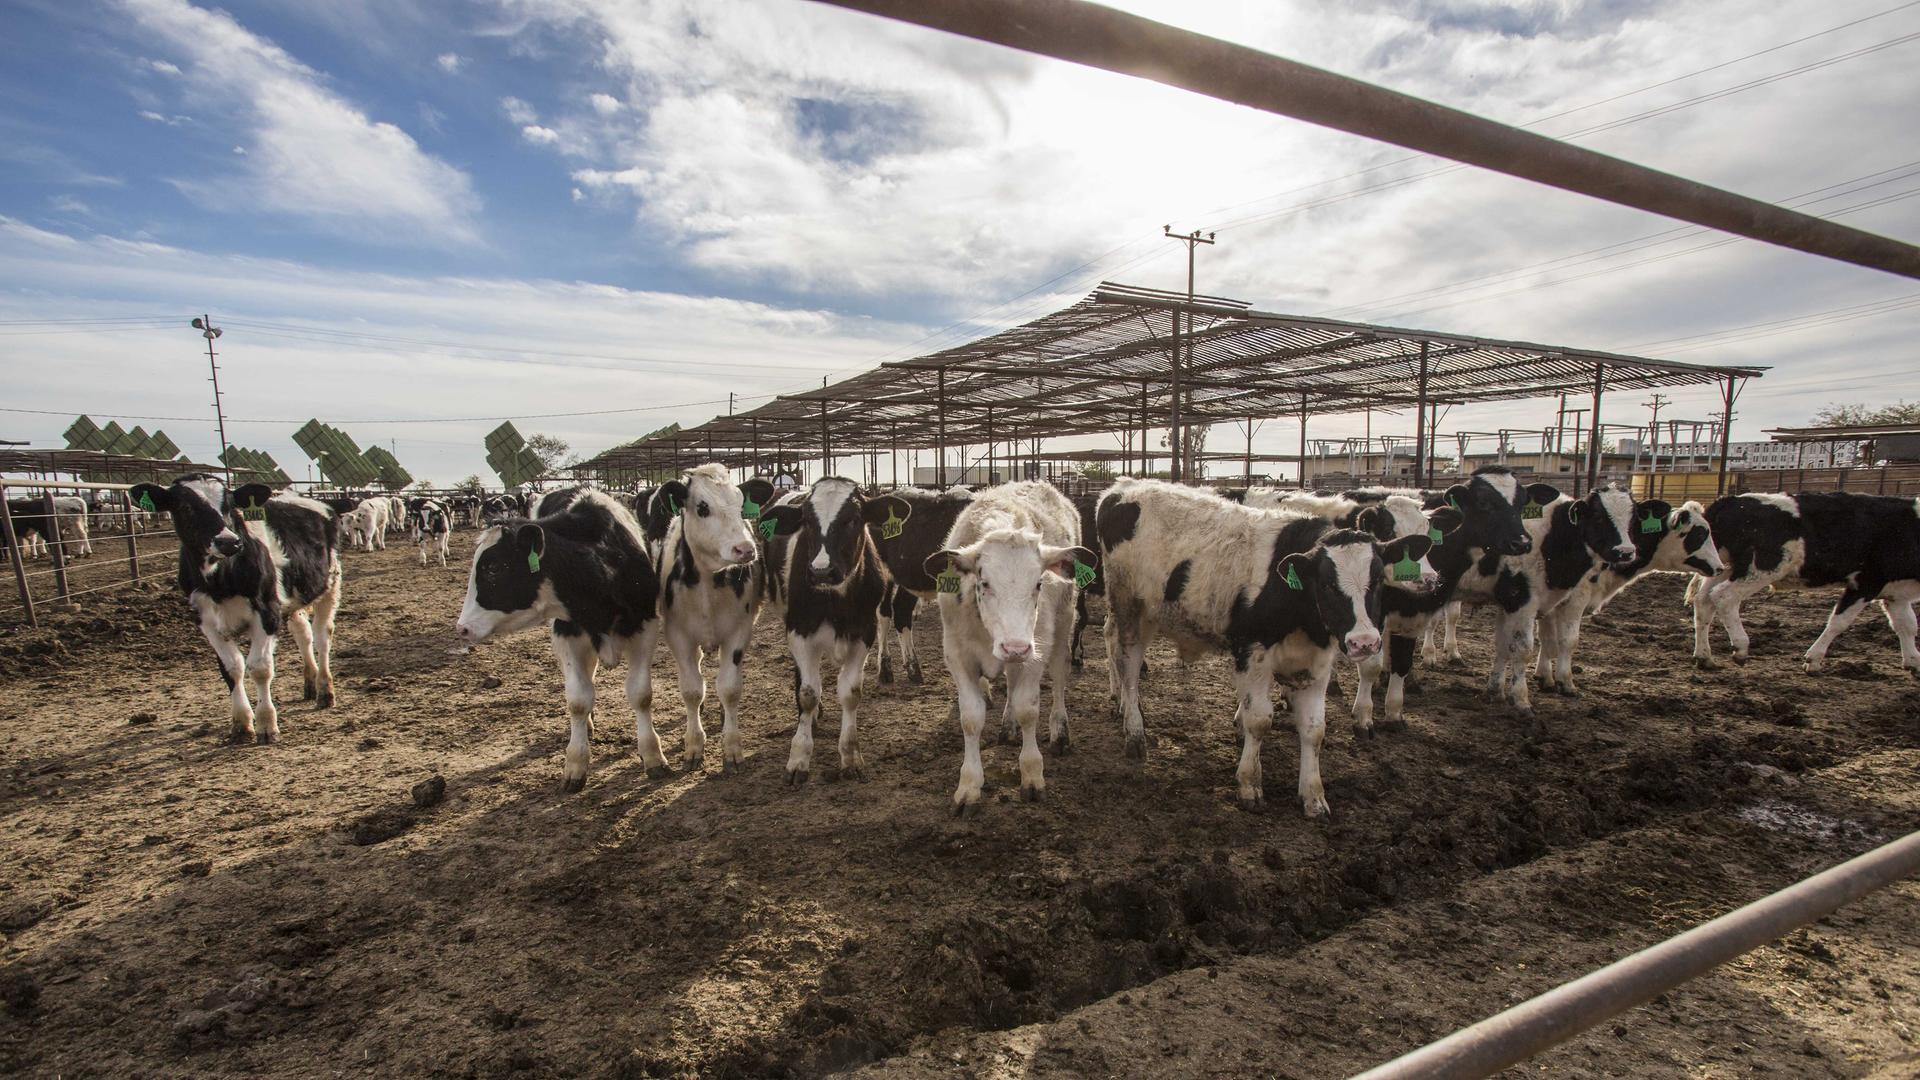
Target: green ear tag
(1453, 502)
(673, 507)
(1434, 534)
(893, 526)
(146, 501)
(1293, 579)
(767, 525)
(1083, 574)
(749, 509)
(533, 561)
(1530, 509)
(1406, 570)
(948, 581)
(1651, 523)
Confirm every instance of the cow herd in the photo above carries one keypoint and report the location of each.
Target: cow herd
(1284, 585)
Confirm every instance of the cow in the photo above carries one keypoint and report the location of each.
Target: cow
(251, 560)
(365, 523)
(1665, 540)
(1278, 592)
(497, 508)
(1005, 582)
(557, 500)
(70, 517)
(31, 525)
(825, 579)
(710, 587)
(587, 575)
(432, 524)
(909, 525)
(1869, 544)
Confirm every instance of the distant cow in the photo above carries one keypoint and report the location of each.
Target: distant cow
(1278, 592)
(432, 523)
(825, 578)
(909, 524)
(366, 522)
(251, 559)
(31, 525)
(585, 573)
(710, 589)
(1869, 544)
(1005, 582)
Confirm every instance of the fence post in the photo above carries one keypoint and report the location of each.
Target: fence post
(1883, 479)
(1840, 480)
(133, 538)
(55, 545)
(19, 564)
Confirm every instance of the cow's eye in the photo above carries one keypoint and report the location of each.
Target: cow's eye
(984, 587)
(702, 510)
(1036, 586)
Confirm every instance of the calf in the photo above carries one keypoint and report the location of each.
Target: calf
(31, 525)
(432, 524)
(366, 524)
(498, 508)
(1869, 544)
(710, 588)
(1665, 540)
(70, 518)
(250, 560)
(1278, 592)
(825, 578)
(1005, 582)
(910, 524)
(587, 575)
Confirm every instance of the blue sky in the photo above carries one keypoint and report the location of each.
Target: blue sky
(429, 211)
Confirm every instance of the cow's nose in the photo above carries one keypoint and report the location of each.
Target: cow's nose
(1520, 546)
(226, 546)
(744, 552)
(463, 630)
(1362, 645)
(1016, 650)
(1623, 554)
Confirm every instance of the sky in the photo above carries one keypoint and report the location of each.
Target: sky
(414, 219)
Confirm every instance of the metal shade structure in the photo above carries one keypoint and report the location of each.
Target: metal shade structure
(1107, 364)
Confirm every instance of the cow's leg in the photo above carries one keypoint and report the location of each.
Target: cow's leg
(266, 718)
(640, 698)
(1549, 649)
(1363, 695)
(443, 551)
(1727, 600)
(1309, 706)
(903, 608)
(1253, 687)
(1059, 667)
(323, 610)
(578, 662)
(1400, 665)
(1848, 608)
(1566, 640)
(1110, 634)
(300, 625)
(808, 654)
(233, 668)
(1454, 612)
(1901, 617)
(846, 689)
(1023, 702)
(1700, 594)
(972, 708)
(1077, 648)
(693, 693)
(729, 683)
(1133, 646)
(423, 553)
(887, 601)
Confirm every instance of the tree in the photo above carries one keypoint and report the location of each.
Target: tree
(423, 485)
(1853, 414)
(1097, 471)
(553, 450)
(471, 486)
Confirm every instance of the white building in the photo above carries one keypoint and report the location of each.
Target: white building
(1753, 455)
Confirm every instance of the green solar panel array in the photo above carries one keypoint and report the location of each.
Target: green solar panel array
(84, 434)
(339, 458)
(509, 457)
(253, 467)
(392, 476)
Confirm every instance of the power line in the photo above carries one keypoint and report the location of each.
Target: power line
(398, 420)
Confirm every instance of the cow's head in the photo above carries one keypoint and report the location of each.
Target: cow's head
(717, 518)
(1341, 577)
(208, 518)
(828, 530)
(1605, 520)
(1003, 575)
(1679, 541)
(1492, 504)
(1391, 518)
(507, 589)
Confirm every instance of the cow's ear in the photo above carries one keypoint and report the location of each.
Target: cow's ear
(951, 560)
(883, 509)
(1238, 495)
(1073, 563)
(1446, 519)
(786, 518)
(1295, 571)
(151, 497)
(1407, 548)
(1376, 520)
(1457, 496)
(1541, 494)
(756, 491)
(530, 538)
(248, 496)
(344, 504)
(665, 505)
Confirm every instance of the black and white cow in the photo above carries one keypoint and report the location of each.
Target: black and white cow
(498, 508)
(432, 524)
(909, 525)
(251, 560)
(1005, 582)
(825, 578)
(1665, 541)
(31, 525)
(1870, 544)
(1280, 593)
(710, 588)
(586, 573)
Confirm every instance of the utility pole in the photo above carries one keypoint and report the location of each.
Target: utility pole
(729, 403)
(1660, 401)
(204, 324)
(1176, 434)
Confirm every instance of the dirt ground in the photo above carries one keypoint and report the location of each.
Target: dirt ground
(173, 905)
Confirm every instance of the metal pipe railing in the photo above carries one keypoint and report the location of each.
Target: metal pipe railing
(1102, 37)
(1559, 1014)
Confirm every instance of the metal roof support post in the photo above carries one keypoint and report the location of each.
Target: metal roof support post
(1303, 439)
(19, 564)
(989, 444)
(56, 547)
(1420, 424)
(756, 445)
(1726, 435)
(1249, 460)
(896, 453)
(1593, 437)
(826, 443)
(940, 461)
(1173, 416)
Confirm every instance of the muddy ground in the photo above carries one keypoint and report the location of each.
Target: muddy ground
(174, 905)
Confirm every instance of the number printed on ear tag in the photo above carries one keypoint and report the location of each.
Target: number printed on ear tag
(1651, 523)
(749, 509)
(253, 511)
(1406, 570)
(1434, 534)
(893, 526)
(767, 525)
(947, 581)
(1083, 574)
(1530, 509)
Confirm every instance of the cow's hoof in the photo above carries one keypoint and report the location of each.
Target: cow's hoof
(324, 700)
(1316, 807)
(696, 761)
(1255, 804)
(266, 738)
(854, 772)
(1704, 663)
(1392, 723)
(1363, 733)
(240, 736)
(659, 772)
(1060, 745)
(796, 777)
(307, 692)
(1032, 794)
(1136, 748)
(1812, 666)
(1740, 659)
(572, 784)
(914, 674)
(966, 809)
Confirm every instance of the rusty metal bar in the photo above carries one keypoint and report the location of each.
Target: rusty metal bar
(133, 541)
(56, 548)
(1593, 434)
(19, 560)
(1559, 1014)
(1420, 426)
(1726, 439)
(1116, 41)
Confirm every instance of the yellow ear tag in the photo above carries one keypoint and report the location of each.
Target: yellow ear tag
(1529, 509)
(253, 511)
(948, 580)
(893, 526)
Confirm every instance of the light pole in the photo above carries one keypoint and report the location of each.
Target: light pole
(204, 324)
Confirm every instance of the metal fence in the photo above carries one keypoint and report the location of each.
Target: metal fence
(60, 552)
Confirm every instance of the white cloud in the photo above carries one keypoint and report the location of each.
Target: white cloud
(450, 62)
(68, 204)
(578, 195)
(605, 104)
(314, 155)
(158, 118)
(518, 111)
(534, 133)
(162, 67)
(240, 150)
